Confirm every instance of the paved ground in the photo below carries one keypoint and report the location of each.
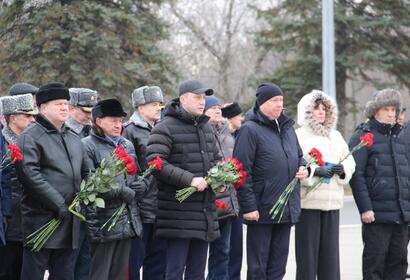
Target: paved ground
(350, 245)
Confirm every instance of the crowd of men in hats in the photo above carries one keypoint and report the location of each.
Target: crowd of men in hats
(65, 133)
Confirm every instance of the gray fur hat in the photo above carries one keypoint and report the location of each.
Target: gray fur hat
(383, 98)
(146, 94)
(18, 104)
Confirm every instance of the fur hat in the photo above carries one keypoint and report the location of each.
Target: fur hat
(383, 98)
(146, 94)
(232, 110)
(108, 108)
(18, 104)
(306, 106)
(52, 91)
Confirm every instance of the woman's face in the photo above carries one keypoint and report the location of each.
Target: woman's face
(319, 113)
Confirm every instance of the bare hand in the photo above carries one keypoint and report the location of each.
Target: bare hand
(252, 216)
(368, 217)
(302, 173)
(199, 183)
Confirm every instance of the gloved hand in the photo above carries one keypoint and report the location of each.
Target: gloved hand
(339, 170)
(127, 194)
(141, 186)
(323, 172)
(63, 212)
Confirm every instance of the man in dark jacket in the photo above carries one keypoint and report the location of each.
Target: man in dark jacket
(233, 113)
(82, 100)
(18, 112)
(50, 172)
(147, 252)
(110, 248)
(268, 148)
(186, 144)
(381, 190)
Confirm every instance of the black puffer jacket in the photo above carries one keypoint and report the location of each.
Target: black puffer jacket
(128, 224)
(271, 156)
(137, 131)
(187, 147)
(381, 180)
(50, 172)
(14, 226)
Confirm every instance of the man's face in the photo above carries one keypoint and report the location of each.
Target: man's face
(111, 126)
(193, 103)
(79, 115)
(401, 119)
(22, 121)
(386, 115)
(56, 111)
(215, 115)
(273, 107)
(150, 111)
(236, 122)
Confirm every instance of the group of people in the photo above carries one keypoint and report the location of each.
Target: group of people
(65, 133)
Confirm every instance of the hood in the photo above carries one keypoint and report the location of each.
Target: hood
(305, 113)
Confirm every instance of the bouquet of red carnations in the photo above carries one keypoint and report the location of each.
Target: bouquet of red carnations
(101, 181)
(365, 140)
(227, 172)
(279, 206)
(154, 165)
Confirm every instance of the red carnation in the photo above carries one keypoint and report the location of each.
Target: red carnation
(220, 204)
(15, 153)
(317, 155)
(156, 163)
(367, 139)
(131, 168)
(241, 181)
(120, 152)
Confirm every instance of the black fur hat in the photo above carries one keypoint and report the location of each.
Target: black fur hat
(51, 91)
(108, 108)
(231, 110)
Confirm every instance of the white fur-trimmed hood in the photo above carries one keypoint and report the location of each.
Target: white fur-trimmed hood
(305, 112)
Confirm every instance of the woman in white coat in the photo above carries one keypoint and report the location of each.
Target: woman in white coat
(317, 233)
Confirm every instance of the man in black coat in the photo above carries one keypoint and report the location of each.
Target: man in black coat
(18, 112)
(381, 188)
(147, 252)
(268, 148)
(186, 144)
(50, 172)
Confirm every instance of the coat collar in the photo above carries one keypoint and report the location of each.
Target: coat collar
(44, 122)
(9, 135)
(283, 121)
(174, 109)
(385, 129)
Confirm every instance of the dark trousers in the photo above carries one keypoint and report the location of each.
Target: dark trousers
(83, 256)
(149, 253)
(11, 260)
(235, 254)
(59, 262)
(109, 260)
(186, 255)
(267, 251)
(218, 261)
(385, 251)
(317, 245)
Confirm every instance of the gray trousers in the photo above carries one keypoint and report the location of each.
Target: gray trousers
(110, 260)
(317, 245)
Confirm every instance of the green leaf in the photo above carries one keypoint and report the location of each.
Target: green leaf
(99, 202)
(91, 197)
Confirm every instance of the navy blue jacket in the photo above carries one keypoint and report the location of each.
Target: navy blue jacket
(381, 180)
(271, 156)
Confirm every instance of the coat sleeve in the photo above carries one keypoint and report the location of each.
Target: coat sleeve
(358, 181)
(245, 150)
(160, 144)
(349, 163)
(29, 174)
(5, 187)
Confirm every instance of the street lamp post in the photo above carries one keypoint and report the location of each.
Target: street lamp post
(328, 49)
